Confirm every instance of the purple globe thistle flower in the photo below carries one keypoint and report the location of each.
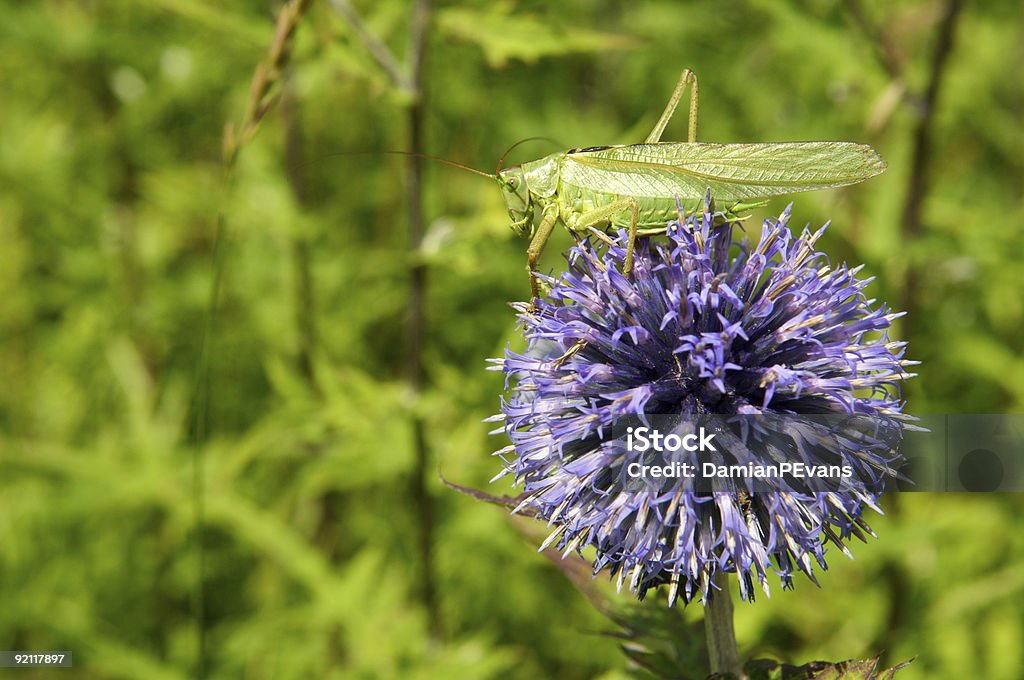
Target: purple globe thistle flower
(702, 326)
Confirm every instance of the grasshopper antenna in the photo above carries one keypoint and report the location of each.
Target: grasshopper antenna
(416, 153)
(443, 160)
(501, 161)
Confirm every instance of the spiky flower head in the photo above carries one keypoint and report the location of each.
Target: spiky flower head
(702, 325)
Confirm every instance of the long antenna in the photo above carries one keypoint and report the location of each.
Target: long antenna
(501, 161)
(442, 160)
(416, 153)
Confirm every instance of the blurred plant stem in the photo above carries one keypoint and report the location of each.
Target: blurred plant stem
(411, 81)
(378, 50)
(305, 316)
(262, 95)
(718, 628)
(918, 177)
(416, 320)
(897, 578)
(924, 105)
(330, 502)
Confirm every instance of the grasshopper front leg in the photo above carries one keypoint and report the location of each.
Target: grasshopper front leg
(536, 247)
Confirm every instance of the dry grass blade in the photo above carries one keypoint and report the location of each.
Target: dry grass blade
(267, 74)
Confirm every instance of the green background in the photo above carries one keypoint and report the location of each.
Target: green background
(228, 473)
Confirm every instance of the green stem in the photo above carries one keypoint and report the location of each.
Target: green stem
(417, 322)
(721, 638)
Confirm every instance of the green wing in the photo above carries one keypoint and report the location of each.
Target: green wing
(732, 172)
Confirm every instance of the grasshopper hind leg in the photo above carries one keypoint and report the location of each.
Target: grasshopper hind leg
(687, 78)
(586, 222)
(606, 213)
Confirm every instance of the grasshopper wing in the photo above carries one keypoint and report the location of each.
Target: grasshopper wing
(732, 172)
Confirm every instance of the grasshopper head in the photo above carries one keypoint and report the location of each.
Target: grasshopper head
(517, 199)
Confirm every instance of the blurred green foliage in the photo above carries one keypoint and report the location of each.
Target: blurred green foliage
(288, 436)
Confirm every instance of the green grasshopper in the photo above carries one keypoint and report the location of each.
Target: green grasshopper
(641, 186)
